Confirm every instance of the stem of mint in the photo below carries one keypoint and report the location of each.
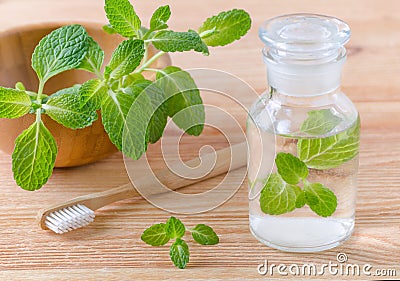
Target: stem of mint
(147, 63)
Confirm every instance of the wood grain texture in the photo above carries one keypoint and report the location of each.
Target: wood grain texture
(111, 249)
(208, 166)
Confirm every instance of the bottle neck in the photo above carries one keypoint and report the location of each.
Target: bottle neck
(304, 78)
(280, 98)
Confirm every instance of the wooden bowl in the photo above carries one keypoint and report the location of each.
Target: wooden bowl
(75, 147)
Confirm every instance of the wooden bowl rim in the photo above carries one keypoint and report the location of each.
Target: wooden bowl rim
(40, 25)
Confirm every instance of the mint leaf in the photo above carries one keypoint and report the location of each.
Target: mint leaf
(204, 235)
(159, 117)
(109, 29)
(122, 17)
(94, 57)
(175, 228)
(278, 197)
(158, 121)
(135, 138)
(14, 103)
(171, 41)
(132, 79)
(320, 122)
(301, 198)
(291, 168)
(126, 117)
(61, 50)
(155, 235)
(64, 108)
(159, 18)
(20, 86)
(320, 199)
(182, 92)
(34, 157)
(330, 152)
(92, 93)
(125, 58)
(225, 27)
(114, 110)
(179, 253)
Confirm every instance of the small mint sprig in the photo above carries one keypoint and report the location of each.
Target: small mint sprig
(35, 149)
(282, 193)
(160, 234)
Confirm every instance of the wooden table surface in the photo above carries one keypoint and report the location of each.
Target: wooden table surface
(111, 249)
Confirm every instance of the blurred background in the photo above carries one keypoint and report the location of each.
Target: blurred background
(373, 50)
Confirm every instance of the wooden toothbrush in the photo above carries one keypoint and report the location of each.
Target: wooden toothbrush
(79, 212)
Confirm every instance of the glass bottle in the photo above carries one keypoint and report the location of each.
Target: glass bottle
(308, 204)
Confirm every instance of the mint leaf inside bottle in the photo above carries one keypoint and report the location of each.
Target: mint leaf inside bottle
(330, 152)
(320, 199)
(291, 168)
(278, 197)
(320, 122)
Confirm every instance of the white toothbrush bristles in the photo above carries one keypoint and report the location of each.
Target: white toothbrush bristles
(69, 218)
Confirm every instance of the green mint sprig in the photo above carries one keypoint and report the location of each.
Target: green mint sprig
(174, 90)
(118, 89)
(160, 234)
(35, 149)
(282, 192)
(289, 189)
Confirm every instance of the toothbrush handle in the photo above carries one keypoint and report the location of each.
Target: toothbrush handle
(226, 159)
